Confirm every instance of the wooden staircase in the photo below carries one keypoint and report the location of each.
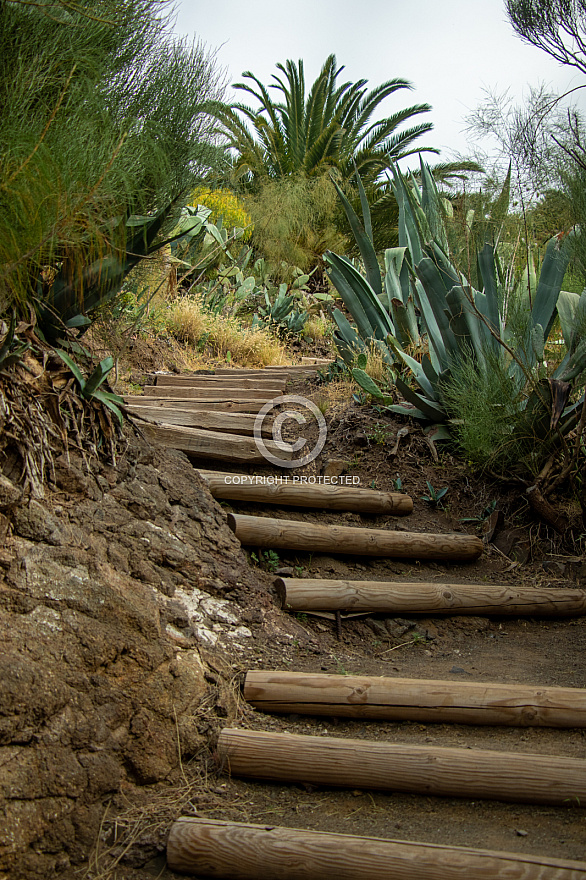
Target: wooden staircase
(212, 418)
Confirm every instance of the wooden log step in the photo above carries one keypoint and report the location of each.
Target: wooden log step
(317, 594)
(235, 851)
(277, 373)
(241, 487)
(425, 770)
(273, 368)
(219, 382)
(220, 402)
(225, 422)
(212, 444)
(284, 534)
(208, 392)
(406, 699)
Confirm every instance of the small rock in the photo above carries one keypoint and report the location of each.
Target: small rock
(34, 522)
(397, 628)
(9, 493)
(429, 631)
(377, 626)
(361, 439)
(520, 833)
(457, 670)
(285, 571)
(334, 467)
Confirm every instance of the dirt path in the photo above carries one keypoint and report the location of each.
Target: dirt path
(523, 651)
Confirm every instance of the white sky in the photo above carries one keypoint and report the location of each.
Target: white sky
(449, 50)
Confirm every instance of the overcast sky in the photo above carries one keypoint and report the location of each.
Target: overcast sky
(450, 51)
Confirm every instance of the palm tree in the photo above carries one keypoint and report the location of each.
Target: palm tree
(330, 128)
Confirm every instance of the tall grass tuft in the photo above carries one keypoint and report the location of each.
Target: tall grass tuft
(487, 411)
(102, 115)
(223, 337)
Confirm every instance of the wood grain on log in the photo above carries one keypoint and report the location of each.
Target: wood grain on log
(406, 699)
(225, 403)
(211, 420)
(329, 497)
(211, 444)
(236, 851)
(164, 381)
(318, 594)
(222, 390)
(293, 535)
(426, 770)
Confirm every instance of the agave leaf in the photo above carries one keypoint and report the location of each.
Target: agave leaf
(409, 234)
(435, 293)
(110, 400)
(346, 329)
(432, 375)
(363, 240)
(431, 412)
(572, 314)
(466, 324)
(487, 272)
(348, 342)
(415, 367)
(394, 258)
(437, 349)
(573, 364)
(446, 270)
(73, 367)
(553, 269)
(358, 297)
(364, 205)
(431, 204)
(405, 321)
(537, 342)
(407, 410)
(98, 376)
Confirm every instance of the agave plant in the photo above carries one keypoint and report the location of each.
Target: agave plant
(91, 388)
(74, 295)
(460, 321)
(281, 313)
(463, 324)
(379, 312)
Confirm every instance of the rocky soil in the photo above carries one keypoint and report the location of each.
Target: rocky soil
(107, 590)
(129, 612)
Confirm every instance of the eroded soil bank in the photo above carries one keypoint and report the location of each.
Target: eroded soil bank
(129, 613)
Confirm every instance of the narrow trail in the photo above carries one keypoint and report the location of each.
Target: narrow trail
(435, 699)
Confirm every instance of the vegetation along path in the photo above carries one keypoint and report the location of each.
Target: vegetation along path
(427, 684)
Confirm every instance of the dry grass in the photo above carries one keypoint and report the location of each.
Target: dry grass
(317, 327)
(376, 367)
(334, 395)
(222, 336)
